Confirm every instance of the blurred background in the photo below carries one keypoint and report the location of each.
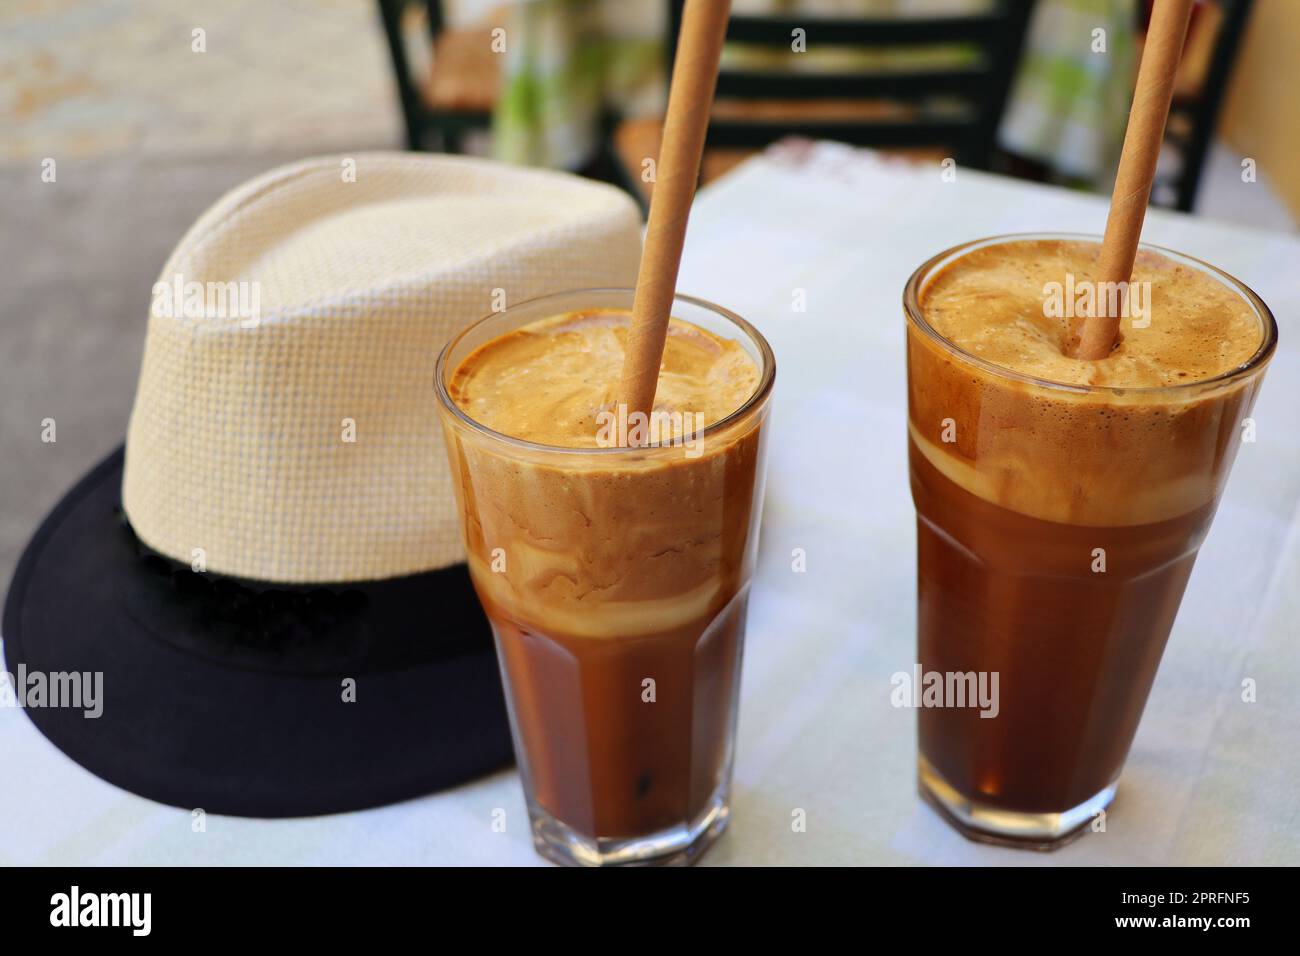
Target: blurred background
(124, 119)
(1032, 88)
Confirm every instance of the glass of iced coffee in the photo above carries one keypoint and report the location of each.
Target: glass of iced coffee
(1060, 504)
(613, 555)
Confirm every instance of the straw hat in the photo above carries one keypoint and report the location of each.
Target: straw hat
(278, 606)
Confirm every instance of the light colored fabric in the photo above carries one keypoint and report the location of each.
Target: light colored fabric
(239, 439)
(1069, 102)
(565, 63)
(1210, 780)
(569, 62)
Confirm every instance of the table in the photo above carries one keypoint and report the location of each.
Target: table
(1210, 780)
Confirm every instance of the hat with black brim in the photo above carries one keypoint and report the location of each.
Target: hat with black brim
(229, 699)
(243, 648)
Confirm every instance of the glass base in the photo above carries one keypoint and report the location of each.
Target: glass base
(988, 824)
(674, 846)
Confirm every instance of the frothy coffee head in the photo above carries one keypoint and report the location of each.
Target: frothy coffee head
(610, 542)
(1113, 444)
(548, 381)
(1014, 304)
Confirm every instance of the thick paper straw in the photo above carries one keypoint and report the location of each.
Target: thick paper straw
(1095, 338)
(690, 99)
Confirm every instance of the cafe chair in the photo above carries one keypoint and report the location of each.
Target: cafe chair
(1213, 40)
(449, 88)
(943, 97)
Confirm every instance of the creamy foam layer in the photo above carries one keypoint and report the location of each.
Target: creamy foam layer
(991, 303)
(1079, 457)
(594, 542)
(547, 381)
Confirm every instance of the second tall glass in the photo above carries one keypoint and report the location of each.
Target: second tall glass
(1056, 529)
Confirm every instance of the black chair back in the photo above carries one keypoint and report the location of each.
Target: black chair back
(978, 90)
(1202, 113)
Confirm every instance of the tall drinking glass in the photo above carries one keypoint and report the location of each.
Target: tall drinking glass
(616, 581)
(1057, 526)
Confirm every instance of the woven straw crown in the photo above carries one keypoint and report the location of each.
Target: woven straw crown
(299, 441)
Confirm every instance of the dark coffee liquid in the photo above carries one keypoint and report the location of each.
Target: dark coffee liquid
(1076, 650)
(602, 758)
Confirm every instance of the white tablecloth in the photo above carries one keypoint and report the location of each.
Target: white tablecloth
(1210, 780)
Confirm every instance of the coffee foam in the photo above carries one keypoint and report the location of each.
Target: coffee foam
(990, 302)
(1082, 456)
(547, 381)
(599, 543)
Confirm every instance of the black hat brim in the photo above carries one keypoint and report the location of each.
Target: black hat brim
(202, 710)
